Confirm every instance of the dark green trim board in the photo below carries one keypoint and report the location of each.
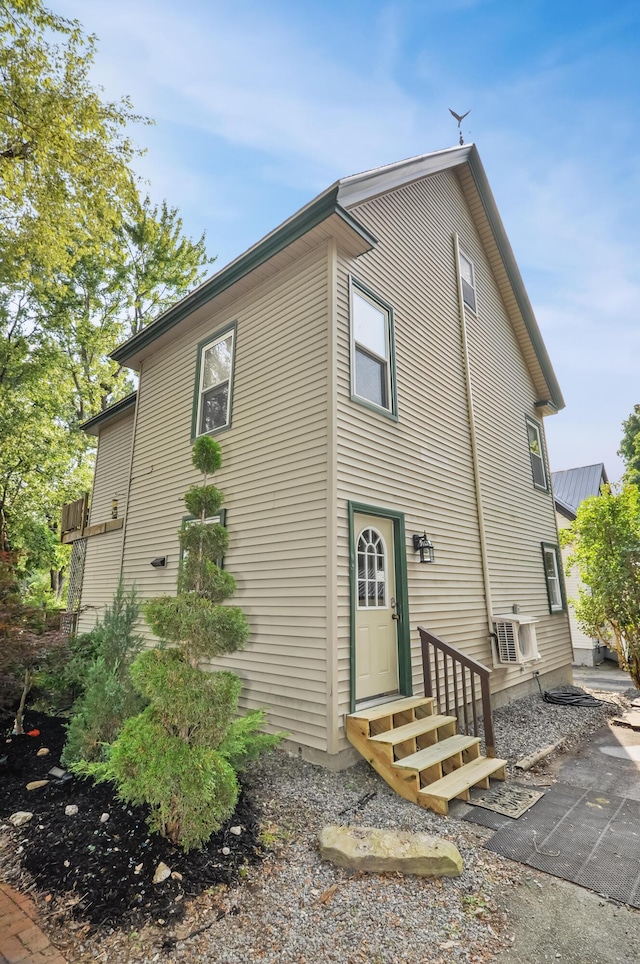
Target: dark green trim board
(196, 388)
(392, 411)
(402, 595)
(295, 227)
(543, 452)
(222, 520)
(545, 546)
(113, 411)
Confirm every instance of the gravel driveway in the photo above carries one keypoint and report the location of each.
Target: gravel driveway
(296, 909)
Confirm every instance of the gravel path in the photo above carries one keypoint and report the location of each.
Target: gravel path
(296, 909)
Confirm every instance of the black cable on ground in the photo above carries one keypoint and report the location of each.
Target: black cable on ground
(562, 698)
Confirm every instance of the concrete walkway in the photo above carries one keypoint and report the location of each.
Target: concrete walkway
(555, 920)
(21, 940)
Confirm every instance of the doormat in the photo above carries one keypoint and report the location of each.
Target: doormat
(509, 799)
(584, 836)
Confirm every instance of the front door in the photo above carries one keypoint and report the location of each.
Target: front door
(376, 608)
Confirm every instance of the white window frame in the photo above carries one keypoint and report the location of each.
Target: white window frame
(555, 581)
(360, 290)
(469, 291)
(537, 428)
(203, 348)
(376, 581)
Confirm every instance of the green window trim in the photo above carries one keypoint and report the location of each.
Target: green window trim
(220, 519)
(198, 391)
(557, 601)
(390, 410)
(468, 281)
(402, 595)
(538, 460)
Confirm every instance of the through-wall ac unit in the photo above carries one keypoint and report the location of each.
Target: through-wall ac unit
(515, 639)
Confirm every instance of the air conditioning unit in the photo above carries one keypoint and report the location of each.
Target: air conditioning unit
(515, 639)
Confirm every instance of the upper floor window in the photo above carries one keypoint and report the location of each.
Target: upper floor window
(467, 276)
(372, 376)
(536, 454)
(552, 576)
(215, 366)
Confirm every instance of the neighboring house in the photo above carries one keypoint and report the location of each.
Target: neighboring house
(570, 488)
(374, 373)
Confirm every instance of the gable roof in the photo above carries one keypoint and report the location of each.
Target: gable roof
(332, 211)
(573, 486)
(122, 407)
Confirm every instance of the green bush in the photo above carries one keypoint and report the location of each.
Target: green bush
(109, 697)
(181, 754)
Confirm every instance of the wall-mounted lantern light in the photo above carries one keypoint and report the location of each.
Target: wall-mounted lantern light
(424, 546)
(114, 508)
(160, 562)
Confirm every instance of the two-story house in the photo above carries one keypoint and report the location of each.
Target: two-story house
(377, 380)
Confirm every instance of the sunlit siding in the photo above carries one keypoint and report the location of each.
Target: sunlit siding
(572, 584)
(422, 465)
(104, 551)
(275, 480)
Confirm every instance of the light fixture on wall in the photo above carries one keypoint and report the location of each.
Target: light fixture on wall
(160, 562)
(114, 508)
(424, 546)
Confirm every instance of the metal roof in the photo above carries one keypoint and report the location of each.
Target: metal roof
(573, 486)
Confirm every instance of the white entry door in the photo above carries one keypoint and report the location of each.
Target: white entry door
(376, 610)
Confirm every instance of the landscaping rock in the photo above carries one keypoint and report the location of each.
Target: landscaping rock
(162, 872)
(236, 831)
(43, 751)
(382, 851)
(71, 810)
(104, 818)
(36, 784)
(20, 817)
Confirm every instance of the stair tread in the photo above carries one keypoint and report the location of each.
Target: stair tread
(437, 753)
(463, 778)
(408, 730)
(395, 706)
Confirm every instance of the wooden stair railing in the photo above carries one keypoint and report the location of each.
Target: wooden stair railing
(445, 670)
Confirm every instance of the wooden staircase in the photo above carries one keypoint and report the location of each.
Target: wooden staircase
(420, 752)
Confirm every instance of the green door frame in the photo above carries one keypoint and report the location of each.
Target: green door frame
(402, 595)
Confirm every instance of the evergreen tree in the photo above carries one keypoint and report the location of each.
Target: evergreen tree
(181, 755)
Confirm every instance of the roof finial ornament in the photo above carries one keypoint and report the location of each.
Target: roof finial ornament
(459, 119)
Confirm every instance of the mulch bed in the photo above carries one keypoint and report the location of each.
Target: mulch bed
(103, 871)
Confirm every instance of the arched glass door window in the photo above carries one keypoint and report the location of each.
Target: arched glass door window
(372, 570)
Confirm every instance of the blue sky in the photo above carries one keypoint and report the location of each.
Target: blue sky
(261, 105)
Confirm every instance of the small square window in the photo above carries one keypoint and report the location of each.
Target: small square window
(467, 277)
(371, 352)
(536, 454)
(213, 405)
(551, 560)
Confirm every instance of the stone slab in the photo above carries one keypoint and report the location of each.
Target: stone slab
(390, 851)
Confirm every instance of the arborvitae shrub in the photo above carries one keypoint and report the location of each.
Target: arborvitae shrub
(181, 755)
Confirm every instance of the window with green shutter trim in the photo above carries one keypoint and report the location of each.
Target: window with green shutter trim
(214, 383)
(467, 276)
(552, 570)
(536, 454)
(372, 356)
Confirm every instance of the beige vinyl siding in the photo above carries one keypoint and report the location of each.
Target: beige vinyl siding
(104, 551)
(422, 465)
(572, 583)
(112, 468)
(274, 476)
(100, 579)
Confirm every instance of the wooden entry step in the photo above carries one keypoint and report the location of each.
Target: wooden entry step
(419, 752)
